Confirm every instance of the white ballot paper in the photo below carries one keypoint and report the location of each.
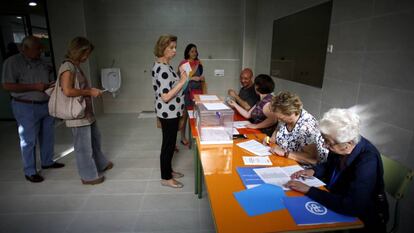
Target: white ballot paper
(281, 175)
(190, 114)
(256, 160)
(240, 124)
(208, 97)
(215, 106)
(255, 147)
(187, 67)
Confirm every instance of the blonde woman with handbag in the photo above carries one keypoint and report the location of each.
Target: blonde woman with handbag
(90, 160)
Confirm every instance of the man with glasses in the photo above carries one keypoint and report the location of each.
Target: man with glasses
(26, 76)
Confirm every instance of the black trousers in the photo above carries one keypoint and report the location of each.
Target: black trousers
(169, 138)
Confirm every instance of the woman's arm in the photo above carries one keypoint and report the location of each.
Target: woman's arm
(270, 120)
(66, 82)
(242, 111)
(177, 88)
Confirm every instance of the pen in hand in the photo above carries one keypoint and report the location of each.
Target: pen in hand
(304, 177)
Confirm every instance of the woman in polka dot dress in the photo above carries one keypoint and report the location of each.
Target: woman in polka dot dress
(169, 104)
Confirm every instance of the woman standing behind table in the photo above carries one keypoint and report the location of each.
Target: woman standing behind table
(195, 84)
(169, 104)
(86, 136)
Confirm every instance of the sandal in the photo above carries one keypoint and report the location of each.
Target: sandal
(177, 175)
(185, 143)
(172, 185)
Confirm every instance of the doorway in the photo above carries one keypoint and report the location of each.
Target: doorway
(17, 20)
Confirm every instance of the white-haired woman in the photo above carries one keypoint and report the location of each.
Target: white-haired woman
(353, 172)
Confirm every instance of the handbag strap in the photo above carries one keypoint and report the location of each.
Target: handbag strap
(58, 87)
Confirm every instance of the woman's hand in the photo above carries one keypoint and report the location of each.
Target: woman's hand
(94, 92)
(303, 174)
(202, 78)
(251, 126)
(232, 103)
(297, 186)
(196, 78)
(232, 93)
(277, 150)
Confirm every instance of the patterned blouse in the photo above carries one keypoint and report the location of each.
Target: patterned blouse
(164, 79)
(305, 132)
(257, 114)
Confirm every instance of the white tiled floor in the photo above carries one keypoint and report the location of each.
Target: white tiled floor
(130, 200)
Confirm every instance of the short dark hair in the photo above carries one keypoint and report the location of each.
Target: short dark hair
(187, 51)
(264, 84)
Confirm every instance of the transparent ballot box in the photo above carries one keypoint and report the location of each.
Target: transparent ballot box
(214, 123)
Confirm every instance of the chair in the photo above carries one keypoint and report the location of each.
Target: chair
(396, 178)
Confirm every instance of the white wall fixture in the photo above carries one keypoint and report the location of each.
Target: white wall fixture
(219, 73)
(111, 80)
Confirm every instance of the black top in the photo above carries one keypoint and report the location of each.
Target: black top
(249, 95)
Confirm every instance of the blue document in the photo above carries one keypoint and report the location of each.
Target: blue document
(261, 199)
(249, 177)
(306, 211)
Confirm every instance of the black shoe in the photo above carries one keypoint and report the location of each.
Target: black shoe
(36, 178)
(54, 165)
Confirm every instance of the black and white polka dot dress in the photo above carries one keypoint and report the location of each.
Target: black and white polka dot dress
(164, 78)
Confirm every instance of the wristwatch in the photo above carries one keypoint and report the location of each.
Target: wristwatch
(286, 154)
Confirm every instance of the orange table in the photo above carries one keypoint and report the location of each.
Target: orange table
(198, 187)
(219, 163)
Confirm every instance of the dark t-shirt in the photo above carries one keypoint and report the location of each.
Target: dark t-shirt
(249, 95)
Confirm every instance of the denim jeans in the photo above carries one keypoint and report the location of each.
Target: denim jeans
(34, 125)
(89, 157)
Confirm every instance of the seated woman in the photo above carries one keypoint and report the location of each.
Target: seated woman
(353, 173)
(264, 86)
(297, 135)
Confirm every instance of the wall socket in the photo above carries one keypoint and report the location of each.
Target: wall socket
(219, 73)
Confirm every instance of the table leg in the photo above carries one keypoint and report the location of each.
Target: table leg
(196, 173)
(200, 178)
(190, 135)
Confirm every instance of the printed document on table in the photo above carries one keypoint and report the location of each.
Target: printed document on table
(240, 124)
(208, 97)
(281, 175)
(255, 147)
(235, 131)
(256, 160)
(215, 106)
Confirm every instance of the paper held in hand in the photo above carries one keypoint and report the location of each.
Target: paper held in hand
(281, 175)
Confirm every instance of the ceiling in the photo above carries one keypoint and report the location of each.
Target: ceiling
(21, 7)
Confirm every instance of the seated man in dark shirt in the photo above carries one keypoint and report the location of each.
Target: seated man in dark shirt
(247, 96)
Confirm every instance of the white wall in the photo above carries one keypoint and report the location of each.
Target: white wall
(371, 67)
(127, 31)
(67, 20)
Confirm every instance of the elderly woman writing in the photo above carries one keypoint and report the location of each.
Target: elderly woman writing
(297, 135)
(353, 172)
